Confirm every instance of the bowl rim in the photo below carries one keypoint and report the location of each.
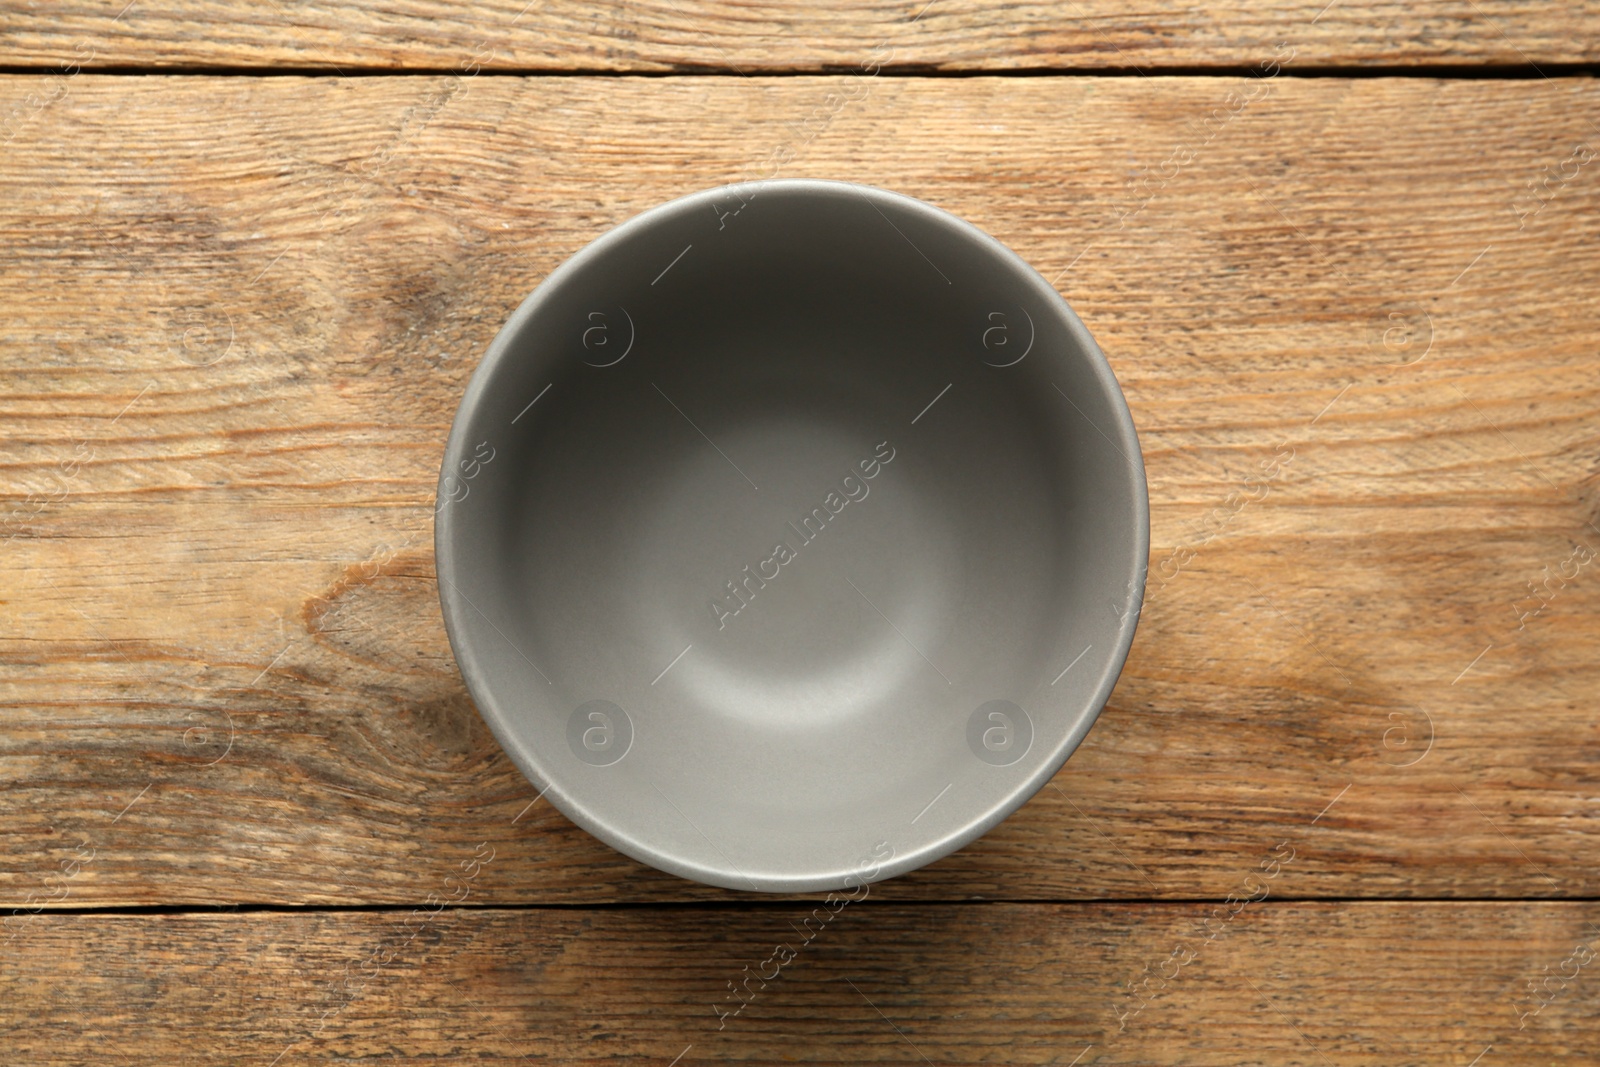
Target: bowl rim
(457, 610)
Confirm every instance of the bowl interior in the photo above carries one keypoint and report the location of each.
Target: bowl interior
(792, 534)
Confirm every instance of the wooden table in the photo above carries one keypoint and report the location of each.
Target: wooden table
(1344, 806)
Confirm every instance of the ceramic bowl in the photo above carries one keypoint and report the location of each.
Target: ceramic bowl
(791, 535)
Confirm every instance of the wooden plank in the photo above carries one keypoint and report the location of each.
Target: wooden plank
(1360, 348)
(1321, 985)
(788, 35)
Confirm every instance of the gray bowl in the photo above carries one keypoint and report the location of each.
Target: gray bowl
(791, 535)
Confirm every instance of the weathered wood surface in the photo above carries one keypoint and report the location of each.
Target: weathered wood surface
(1355, 320)
(790, 35)
(1320, 985)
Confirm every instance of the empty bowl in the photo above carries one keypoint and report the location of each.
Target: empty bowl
(791, 535)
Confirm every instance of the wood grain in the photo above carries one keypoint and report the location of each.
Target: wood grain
(1365, 984)
(241, 312)
(821, 36)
